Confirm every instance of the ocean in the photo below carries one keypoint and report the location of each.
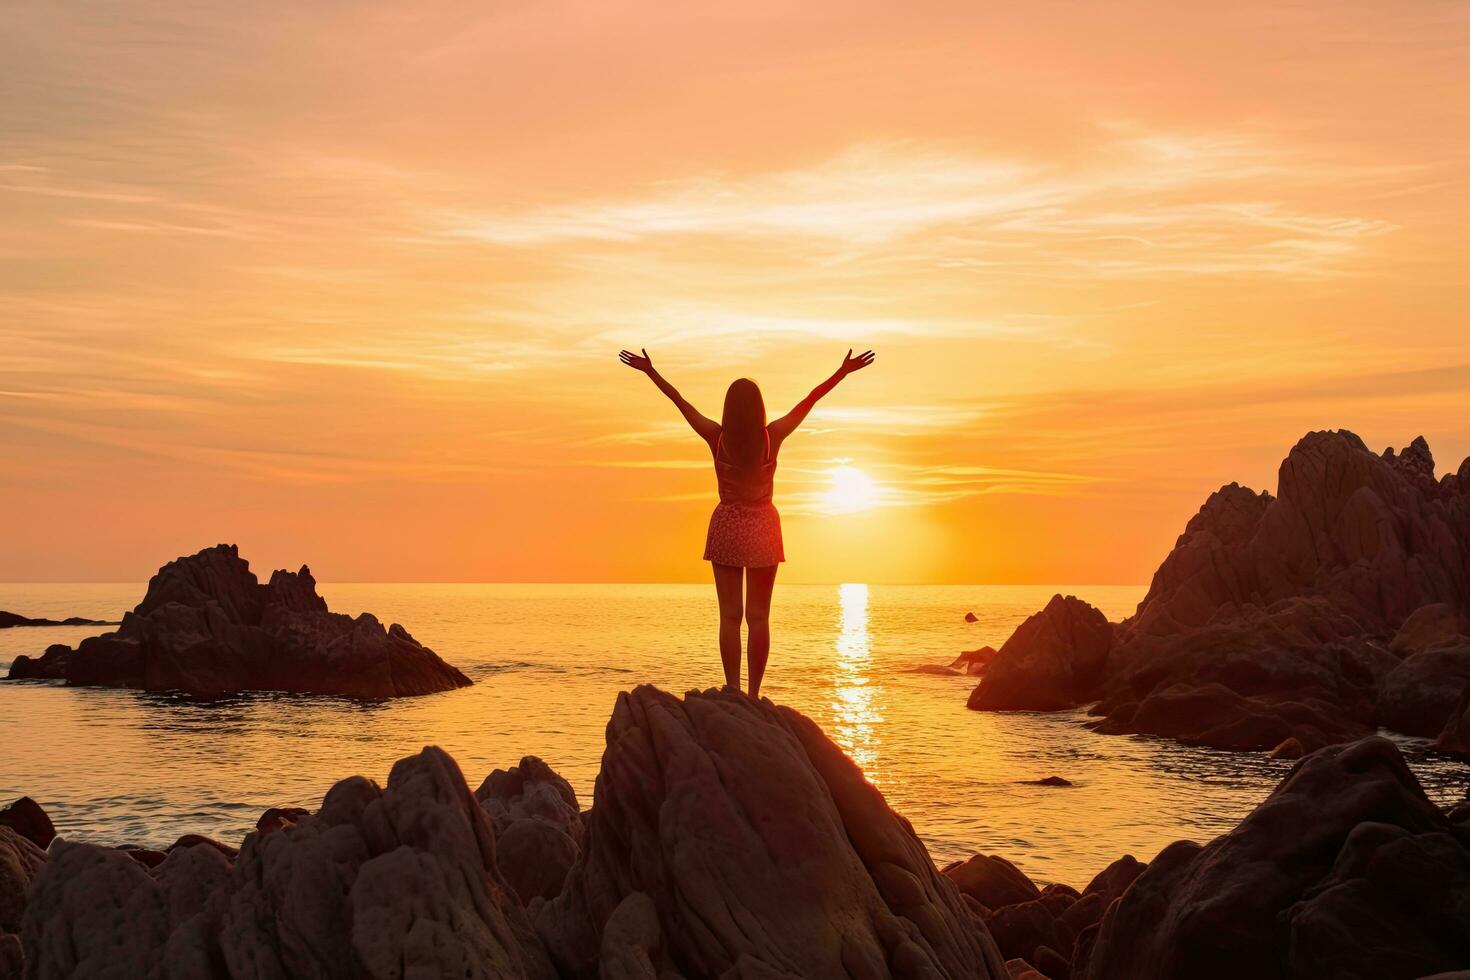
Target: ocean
(548, 661)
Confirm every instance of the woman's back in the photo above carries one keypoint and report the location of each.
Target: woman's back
(744, 483)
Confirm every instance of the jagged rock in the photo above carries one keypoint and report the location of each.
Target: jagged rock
(992, 881)
(208, 627)
(10, 619)
(1417, 696)
(1296, 597)
(538, 826)
(1346, 870)
(971, 618)
(1053, 660)
(763, 849)
(26, 818)
(378, 883)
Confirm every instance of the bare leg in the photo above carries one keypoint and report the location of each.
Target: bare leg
(759, 582)
(727, 586)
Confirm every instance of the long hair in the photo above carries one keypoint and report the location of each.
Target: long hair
(744, 423)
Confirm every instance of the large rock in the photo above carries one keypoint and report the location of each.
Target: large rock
(762, 850)
(1308, 597)
(1053, 660)
(1417, 696)
(381, 883)
(208, 627)
(1346, 870)
(20, 862)
(538, 826)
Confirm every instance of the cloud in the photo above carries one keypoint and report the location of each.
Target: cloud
(1150, 204)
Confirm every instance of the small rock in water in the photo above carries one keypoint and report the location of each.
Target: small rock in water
(971, 618)
(1051, 781)
(1290, 748)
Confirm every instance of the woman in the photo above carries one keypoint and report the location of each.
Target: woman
(744, 539)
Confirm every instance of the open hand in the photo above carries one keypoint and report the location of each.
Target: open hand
(851, 364)
(644, 363)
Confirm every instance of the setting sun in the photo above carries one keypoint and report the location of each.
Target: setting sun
(851, 490)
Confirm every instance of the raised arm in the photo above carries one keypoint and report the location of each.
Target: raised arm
(786, 424)
(708, 431)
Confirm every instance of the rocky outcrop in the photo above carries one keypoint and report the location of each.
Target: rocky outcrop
(1053, 660)
(10, 619)
(538, 826)
(1346, 870)
(208, 627)
(1287, 616)
(732, 838)
(392, 882)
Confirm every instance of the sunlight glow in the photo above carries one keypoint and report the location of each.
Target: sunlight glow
(856, 715)
(852, 490)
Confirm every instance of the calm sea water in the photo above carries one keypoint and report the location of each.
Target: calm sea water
(548, 661)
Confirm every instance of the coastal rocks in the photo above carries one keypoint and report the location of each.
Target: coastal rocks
(1040, 927)
(761, 848)
(1053, 660)
(1325, 610)
(1213, 715)
(208, 627)
(992, 881)
(10, 619)
(538, 826)
(26, 818)
(20, 862)
(391, 882)
(1417, 696)
(1345, 870)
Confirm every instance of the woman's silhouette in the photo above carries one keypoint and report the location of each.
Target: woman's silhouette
(744, 538)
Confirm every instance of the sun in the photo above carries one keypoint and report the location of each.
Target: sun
(851, 490)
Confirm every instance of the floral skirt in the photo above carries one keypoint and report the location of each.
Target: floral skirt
(745, 535)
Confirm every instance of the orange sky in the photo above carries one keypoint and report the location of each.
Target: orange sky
(345, 283)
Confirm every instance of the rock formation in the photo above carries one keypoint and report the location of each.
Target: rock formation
(208, 627)
(10, 619)
(1346, 870)
(1053, 660)
(392, 882)
(1039, 928)
(732, 838)
(1338, 604)
(20, 862)
(538, 826)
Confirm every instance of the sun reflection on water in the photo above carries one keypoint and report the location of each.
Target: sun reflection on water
(855, 695)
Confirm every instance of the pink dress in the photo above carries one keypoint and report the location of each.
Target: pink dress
(744, 529)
